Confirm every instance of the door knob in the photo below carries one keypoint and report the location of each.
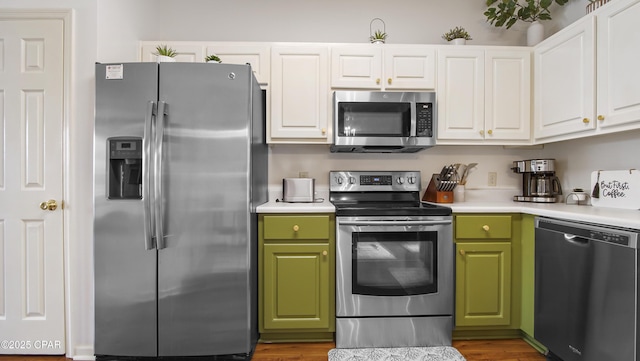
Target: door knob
(50, 205)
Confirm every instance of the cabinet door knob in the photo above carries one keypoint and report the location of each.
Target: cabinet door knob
(296, 228)
(462, 252)
(482, 132)
(324, 131)
(585, 120)
(378, 81)
(490, 131)
(600, 117)
(324, 253)
(486, 228)
(389, 81)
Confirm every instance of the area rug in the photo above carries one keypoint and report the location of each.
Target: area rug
(439, 353)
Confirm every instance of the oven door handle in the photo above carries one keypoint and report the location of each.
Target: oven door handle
(394, 223)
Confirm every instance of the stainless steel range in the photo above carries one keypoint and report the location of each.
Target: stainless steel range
(394, 266)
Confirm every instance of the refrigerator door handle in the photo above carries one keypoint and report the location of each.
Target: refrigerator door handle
(147, 171)
(157, 181)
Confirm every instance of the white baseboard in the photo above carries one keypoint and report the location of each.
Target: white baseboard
(83, 353)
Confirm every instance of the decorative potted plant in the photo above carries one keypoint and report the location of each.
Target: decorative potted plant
(212, 58)
(508, 12)
(378, 37)
(457, 36)
(165, 53)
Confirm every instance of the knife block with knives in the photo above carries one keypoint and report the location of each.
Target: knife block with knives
(439, 190)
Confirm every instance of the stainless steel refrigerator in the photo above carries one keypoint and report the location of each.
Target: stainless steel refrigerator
(180, 166)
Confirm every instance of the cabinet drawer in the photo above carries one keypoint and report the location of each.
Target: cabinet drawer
(296, 227)
(483, 227)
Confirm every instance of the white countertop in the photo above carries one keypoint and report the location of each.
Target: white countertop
(283, 207)
(477, 203)
(611, 216)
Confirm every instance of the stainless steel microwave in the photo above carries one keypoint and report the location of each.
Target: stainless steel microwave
(383, 122)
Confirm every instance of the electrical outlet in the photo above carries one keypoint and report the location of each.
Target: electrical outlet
(492, 180)
(303, 174)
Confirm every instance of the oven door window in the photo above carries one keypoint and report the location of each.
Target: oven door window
(374, 119)
(394, 263)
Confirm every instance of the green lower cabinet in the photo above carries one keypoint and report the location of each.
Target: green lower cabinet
(488, 275)
(296, 286)
(296, 277)
(483, 284)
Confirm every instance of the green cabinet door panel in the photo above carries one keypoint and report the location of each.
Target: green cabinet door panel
(297, 227)
(296, 284)
(483, 284)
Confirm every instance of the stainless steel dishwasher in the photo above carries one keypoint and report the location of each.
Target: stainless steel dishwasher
(586, 291)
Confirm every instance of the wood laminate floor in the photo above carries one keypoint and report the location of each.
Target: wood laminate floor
(473, 350)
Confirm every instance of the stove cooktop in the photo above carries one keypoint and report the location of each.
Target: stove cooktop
(380, 193)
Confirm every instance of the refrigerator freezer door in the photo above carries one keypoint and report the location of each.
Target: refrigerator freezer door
(125, 272)
(204, 305)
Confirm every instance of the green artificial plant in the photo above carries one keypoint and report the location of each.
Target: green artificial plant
(508, 12)
(166, 51)
(456, 33)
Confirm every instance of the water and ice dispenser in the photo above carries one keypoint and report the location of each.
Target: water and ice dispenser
(125, 168)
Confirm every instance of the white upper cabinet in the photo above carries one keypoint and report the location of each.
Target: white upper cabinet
(257, 55)
(484, 95)
(564, 82)
(618, 76)
(586, 76)
(460, 94)
(508, 95)
(299, 94)
(383, 67)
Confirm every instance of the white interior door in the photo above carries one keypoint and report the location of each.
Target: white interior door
(31, 170)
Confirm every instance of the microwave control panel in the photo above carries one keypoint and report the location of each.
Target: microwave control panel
(424, 119)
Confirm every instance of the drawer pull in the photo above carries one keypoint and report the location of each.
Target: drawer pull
(486, 228)
(462, 252)
(296, 228)
(324, 253)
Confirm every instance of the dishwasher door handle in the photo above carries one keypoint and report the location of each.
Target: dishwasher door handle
(575, 240)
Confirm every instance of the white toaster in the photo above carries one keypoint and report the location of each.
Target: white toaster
(298, 190)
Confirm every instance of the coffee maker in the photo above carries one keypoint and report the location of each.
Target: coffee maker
(539, 181)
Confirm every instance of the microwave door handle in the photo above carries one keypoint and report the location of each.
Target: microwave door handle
(157, 177)
(147, 170)
(413, 132)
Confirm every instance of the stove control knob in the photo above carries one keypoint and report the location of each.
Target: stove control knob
(412, 180)
(352, 180)
(400, 180)
(339, 180)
